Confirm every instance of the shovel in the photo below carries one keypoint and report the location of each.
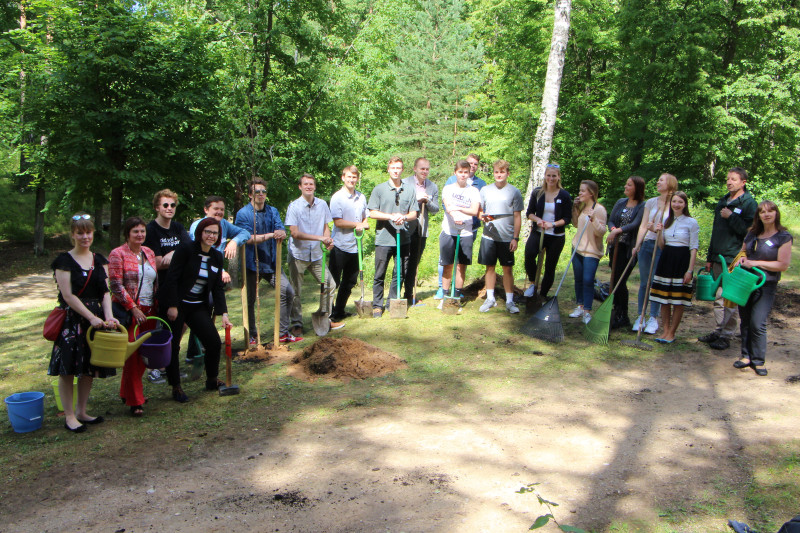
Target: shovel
(398, 307)
(363, 307)
(321, 319)
(228, 389)
(451, 304)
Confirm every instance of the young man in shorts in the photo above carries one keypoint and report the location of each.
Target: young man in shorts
(501, 206)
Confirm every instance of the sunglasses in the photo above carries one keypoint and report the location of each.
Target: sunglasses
(165, 204)
(553, 165)
(397, 196)
(84, 217)
(259, 191)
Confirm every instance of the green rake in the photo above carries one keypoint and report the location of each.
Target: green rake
(596, 330)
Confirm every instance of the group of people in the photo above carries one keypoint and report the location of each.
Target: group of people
(663, 238)
(164, 271)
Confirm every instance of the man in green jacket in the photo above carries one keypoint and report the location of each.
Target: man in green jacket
(733, 215)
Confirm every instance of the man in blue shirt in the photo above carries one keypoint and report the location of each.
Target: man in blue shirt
(264, 224)
(474, 162)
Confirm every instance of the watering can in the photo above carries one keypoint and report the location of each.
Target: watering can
(157, 351)
(738, 284)
(110, 349)
(707, 286)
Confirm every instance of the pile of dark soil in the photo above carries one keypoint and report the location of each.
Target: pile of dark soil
(477, 290)
(787, 303)
(343, 358)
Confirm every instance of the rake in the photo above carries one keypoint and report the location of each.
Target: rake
(596, 329)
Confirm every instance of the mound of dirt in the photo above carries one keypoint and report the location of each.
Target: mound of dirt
(787, 303)
(477, 289)
(343, 358)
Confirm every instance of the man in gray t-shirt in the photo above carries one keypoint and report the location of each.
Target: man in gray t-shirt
(501, 212)
(393, 205)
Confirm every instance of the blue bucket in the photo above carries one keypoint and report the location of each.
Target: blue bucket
(25, 411)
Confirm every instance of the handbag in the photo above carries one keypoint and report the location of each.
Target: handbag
(125, 316)
(55, 320)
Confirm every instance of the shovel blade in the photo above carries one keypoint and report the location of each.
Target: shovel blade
(229, 390)
(321, 323)
(398, 308)
(364, 308)
(451, 306)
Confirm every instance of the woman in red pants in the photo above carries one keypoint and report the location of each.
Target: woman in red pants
(132, 278)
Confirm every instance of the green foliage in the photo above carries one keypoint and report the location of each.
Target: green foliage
(543, 520)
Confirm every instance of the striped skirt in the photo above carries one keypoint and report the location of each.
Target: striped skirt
(668, 286)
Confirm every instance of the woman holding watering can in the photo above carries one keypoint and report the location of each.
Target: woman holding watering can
(767, 246)
(132, 277)
(82, 291)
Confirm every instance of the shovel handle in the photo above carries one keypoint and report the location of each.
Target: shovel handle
(228, 342)
(360, 236)
(324, 262)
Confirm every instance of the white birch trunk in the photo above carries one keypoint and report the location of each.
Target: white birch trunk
(543, 140)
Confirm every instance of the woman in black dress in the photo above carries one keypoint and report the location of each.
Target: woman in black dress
(82, 290)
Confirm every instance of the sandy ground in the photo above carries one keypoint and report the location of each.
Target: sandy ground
(616, 444)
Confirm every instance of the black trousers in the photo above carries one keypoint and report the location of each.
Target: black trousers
(198, 318)
(621, 296)
(417, 247)
(553, 244)
(344, 269)
(753, 323)
(382, 256)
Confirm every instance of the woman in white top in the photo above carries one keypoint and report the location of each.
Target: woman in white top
(655, 210)
(672, 283)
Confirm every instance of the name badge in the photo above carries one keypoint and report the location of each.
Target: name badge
(769, 243)
(738, 211)
(624, 209)
(558, 200)
(214, 269)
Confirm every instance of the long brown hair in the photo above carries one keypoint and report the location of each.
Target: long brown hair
(671, 217)
(758, 226)
(578, 206)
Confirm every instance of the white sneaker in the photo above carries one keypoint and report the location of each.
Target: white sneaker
(636, 324)
(651, 327)
(512, 307)
(530, 291)
(441, 303)
(488, 304)
(587, 316)
(578, 312)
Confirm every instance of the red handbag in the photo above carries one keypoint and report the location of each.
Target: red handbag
(55, 320)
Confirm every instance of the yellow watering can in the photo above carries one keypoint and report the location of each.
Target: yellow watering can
(110, 349)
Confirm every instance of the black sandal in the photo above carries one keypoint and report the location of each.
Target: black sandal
(760, 370)
(741, 364)
(137, 411)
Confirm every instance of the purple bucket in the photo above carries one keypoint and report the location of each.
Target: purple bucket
(156, 351)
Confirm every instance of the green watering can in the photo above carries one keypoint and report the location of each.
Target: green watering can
(738, 284)
(707, 286)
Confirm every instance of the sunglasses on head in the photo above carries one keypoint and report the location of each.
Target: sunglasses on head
(553, 165)
(166, 204)
(84, 217)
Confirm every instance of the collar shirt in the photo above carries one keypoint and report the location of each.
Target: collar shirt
(267, 220)
(684, 231)
(352, 208)
(309, 218)
(389, 199)
(431, 208)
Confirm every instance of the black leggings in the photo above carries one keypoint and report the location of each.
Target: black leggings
(553, 244)
(198, 318)
(624, 255)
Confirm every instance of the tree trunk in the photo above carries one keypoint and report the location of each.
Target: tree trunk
(543, 140)
(116, 216)
(38, 222)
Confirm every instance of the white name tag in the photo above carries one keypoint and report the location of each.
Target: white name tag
(769, 243)
(738, 211)
(558, 200)
(214, 269)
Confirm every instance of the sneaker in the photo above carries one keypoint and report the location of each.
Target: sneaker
(377, 312)
(288, 338)
(711, 337)
(720, 344)
(439, 294)
(636, 324)
(587, 317)
(577, 312)
(253, 342)
(441, 303)
(155, 376)
(530, 291)
(297, 331)
(488, 304)
(651, 326)
(512, 307)
(337, 325)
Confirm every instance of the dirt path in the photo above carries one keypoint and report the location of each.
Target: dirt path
(26, 292)
(614, 444)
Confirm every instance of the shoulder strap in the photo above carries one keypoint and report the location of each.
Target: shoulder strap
(87, 278)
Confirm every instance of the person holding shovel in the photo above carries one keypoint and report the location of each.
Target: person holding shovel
(264, 224)
(428, 203)
(501, 204)
(307, 219)
(461, 203)
(350, 215)
(393, 205)
(733, 215)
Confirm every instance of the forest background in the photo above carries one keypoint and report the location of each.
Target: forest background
(105, 102)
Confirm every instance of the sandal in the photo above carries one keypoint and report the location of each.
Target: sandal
(741, 364)
(137, 411)
(760, 370)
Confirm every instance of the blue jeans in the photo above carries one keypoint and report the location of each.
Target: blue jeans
(645, 257)
(585, 268)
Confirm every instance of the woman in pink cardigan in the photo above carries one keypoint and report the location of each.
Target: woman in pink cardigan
(132, 279)
(585, 211)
